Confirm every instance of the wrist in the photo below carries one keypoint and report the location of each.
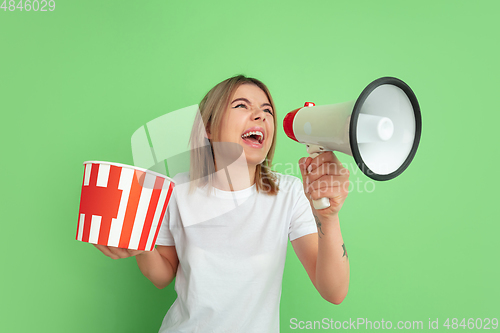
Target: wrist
(328, 219)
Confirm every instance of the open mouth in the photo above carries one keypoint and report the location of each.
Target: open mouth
(253, 136)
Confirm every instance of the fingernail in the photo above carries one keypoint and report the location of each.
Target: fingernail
(309, 168)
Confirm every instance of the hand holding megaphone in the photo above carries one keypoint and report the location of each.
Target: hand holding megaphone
(313, 151)
(380, 129)
(325, 175)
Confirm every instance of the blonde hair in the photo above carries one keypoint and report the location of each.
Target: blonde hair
(212, 108)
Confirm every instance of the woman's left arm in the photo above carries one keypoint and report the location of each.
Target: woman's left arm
(324, 255)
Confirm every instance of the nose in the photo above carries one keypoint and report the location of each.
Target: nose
(258, 113)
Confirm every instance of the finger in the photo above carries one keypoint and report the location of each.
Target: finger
(327, 157)
(337, 194)
(135, 252)
(328, 192)
(327, 169)
(121, 253)
(328, 181)
(330, 160)
(304, 162)
(106, 251)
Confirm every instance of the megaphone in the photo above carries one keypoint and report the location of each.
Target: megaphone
(380, 129)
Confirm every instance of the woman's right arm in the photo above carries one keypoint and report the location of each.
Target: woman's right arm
(159, 265)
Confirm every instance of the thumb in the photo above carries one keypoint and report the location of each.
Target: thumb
(303, 164)
(135, 252)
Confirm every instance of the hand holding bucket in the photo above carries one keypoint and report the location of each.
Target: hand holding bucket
(122, 206)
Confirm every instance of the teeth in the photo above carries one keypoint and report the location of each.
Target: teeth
(261, 136)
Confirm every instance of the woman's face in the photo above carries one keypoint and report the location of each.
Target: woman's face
(248, 120)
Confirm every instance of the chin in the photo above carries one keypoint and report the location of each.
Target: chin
(255, 162)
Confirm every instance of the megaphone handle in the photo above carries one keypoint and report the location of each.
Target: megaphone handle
(322, 203)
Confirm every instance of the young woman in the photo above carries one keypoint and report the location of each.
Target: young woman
(225, 235)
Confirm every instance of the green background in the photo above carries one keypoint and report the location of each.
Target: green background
(75, 84)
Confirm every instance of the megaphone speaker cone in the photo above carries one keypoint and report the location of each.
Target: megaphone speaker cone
(385, 128)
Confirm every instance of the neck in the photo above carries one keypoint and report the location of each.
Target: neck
(236, 176)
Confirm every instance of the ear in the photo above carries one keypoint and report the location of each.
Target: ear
(208, 135)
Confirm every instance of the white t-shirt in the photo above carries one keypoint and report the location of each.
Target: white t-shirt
(232, 249)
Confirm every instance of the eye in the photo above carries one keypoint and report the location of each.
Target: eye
(239, 105)
(269, 111)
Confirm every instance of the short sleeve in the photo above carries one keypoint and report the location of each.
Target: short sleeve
(165, 236)
(302, 222)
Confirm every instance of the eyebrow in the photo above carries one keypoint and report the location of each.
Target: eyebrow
(246, 100)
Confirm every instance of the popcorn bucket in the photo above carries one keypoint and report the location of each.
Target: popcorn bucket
(122, 205)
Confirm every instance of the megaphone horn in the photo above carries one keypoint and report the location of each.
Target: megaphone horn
(381, 129)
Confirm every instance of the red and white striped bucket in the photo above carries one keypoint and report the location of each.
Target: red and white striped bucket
(122, 205)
